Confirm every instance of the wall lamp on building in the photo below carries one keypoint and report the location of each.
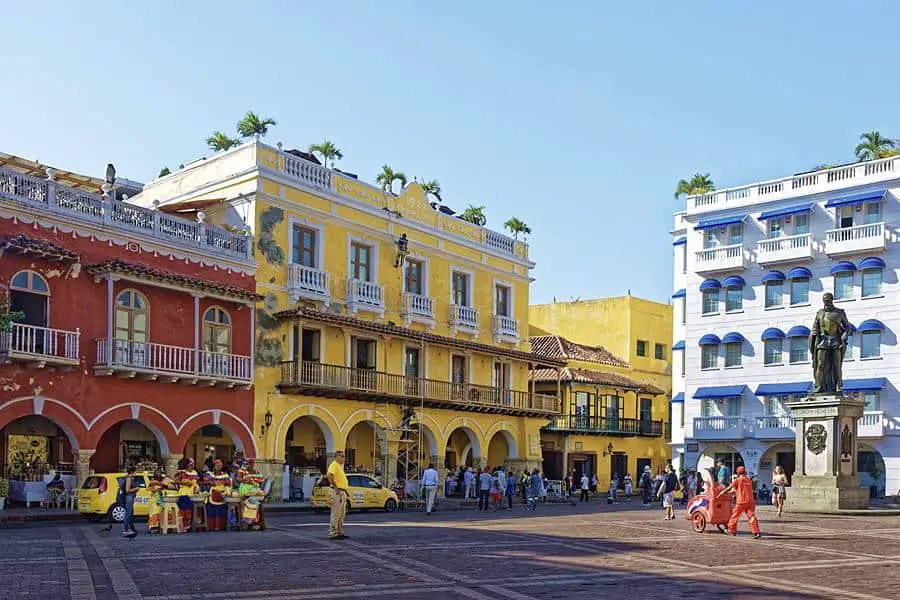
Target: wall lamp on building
(609, 450)
(267, 422)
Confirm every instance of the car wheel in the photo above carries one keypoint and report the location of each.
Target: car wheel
(390, 505)
(117, 513)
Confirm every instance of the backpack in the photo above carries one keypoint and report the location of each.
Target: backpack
(120, 492)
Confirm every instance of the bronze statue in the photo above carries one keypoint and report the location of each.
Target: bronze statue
(827, 344)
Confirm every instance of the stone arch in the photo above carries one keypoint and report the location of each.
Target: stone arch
(64, 416)
(501, 448)
(707, 457)
(872, 470)
(509, 432)
(361, 415)
(240, 432)
(473, 444)
(152, 418)
(321, 416)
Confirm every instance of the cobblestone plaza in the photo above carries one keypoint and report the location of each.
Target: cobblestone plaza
(560, 552)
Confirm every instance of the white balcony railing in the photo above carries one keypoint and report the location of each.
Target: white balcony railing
(506, 327)
(176, 361)
(365, 295)
(50, 196)
(723, 258)
(859, 238)
(417, 305)
(719, 428)
(463, 317)
(774, 428)
(308, 172)
(784, 249)
(804, 184)
(40, 344)
(871, 424)
(308, 282)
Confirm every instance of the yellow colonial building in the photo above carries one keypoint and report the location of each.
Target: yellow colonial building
(390, 328)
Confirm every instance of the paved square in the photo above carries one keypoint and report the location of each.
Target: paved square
(559, 552)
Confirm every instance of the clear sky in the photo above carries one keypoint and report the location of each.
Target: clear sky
(578, 120)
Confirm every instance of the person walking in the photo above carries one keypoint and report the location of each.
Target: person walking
(594, 484)
(629, 487)
(723, 473)
(667, 492)
(501, 478)
(340, 495)
(510, 488)
(484, 489)
(742, 488)
(130, 489)
(779, 488)
(469, 481)
(646, 483)
(430, 484)
(585, 487)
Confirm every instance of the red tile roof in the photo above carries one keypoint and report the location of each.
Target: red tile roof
(23, 245)
(156, 275)
(339, 319)
(556, 346)
(613, 380)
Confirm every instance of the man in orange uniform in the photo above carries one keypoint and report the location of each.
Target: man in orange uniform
(742, 488)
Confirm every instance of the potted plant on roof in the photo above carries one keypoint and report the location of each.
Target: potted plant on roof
(4, 491)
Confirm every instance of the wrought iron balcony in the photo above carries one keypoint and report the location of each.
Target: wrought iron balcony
(334, 381)
(40, 346)
(606, 426)
(172, 364)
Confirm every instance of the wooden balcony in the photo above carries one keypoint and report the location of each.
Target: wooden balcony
(333, 381)
(40, 347)
(172, 364)
(606, 426)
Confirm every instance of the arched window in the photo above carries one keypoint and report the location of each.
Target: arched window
(217, 331)
(30, 294)
(132, 317)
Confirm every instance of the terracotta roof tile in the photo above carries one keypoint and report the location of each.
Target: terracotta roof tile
(21, 244)
(195, 283)
(557, 346)
(570, 375)
(338, 319)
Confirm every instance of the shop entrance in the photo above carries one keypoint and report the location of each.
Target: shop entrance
(618, 466)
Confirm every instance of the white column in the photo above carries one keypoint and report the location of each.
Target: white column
(196, 334)
(110, 314)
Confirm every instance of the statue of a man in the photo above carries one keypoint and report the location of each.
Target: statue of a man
(827, 344)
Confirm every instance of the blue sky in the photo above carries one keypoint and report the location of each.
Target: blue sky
(579, 121)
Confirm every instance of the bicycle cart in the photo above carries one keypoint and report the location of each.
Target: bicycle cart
(707, 509)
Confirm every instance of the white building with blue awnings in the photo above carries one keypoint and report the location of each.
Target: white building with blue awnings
(750, 266)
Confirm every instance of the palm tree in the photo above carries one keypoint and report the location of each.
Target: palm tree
(433, 187)
(218, 141)
(873, 146)
(388, 176)
(698, 184)
(516, 227)
(475, 215)
(328, 151)
(251, 125)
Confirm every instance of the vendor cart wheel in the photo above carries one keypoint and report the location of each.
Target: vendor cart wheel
(699, 522)
(721, 529)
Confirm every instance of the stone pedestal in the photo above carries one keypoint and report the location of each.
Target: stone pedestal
(171, 463)
(82, 466)
(825, 479)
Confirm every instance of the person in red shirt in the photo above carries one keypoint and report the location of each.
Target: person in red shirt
(742, 488)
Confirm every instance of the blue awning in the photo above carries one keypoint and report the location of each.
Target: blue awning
(871, 325)
(733, 338)
(710, 339)
(734, 281)
(773, 276)
(798, 331)
(772, 333)
(680, 293)
(679, 345)
(783, 389)
(852, 328)
(710, 284)
(873, 262)
(863, 385)
(678, 398)
(721, 391)
(799, 273)
(680, 241)
(787, 211)
(844, 266)
(720, 222)
(856, 198)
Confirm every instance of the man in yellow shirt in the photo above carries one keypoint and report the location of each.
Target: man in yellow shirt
(340, 495)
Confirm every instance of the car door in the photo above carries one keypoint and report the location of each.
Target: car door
(142, 498)
(373, 492)
(357, 491)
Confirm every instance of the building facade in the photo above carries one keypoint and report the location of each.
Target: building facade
(389, 328)
(127, 333)
(610, 424)
(751, 265)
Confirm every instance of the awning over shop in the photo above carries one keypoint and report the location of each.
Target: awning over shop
(720, 222)
(721, 391)
(784, 389)
(863, 385)
(871, 196)
(777, 213)
(678, 398)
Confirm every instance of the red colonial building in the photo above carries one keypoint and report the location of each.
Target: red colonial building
(129, 332)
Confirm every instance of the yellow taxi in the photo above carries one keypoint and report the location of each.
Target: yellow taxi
(365, 492)
(97, 496)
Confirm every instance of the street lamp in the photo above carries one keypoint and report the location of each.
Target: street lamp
(267, 422)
